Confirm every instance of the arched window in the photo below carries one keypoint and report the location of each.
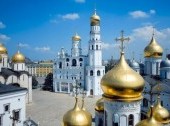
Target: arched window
(81, 59)
(74, 62)
(96, 47)
(67, 60)
(60, 64)
(98, 73)
(145, 102)
(91, 72)
(131, 120)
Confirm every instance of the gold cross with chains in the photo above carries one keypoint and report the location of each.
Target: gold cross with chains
(122, 39)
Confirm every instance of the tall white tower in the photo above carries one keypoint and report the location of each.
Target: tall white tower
(76, 46)
(94, 69)
(122, 87)
(153, 57)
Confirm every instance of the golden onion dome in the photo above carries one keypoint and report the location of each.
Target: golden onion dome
(3, 50)
(122, 82)
(100, 105)
(95, 19)
(149, 121)
(77, 117)
(76, 37)
(18, 58)
(153, 49)
(160, 113)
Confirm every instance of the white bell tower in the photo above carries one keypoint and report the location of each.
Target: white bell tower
(94, 70)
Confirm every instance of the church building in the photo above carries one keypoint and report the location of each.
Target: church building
(88, 69)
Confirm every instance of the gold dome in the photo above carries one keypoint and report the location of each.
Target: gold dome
(149, 121)
(18, 58)
(100, 105)
(3, 50)
(153, 49)
(95, 19)
(160, 113)
(122, 82)
(77, 117)
(76, 37)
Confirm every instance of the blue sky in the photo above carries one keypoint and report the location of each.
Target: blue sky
(42, 27)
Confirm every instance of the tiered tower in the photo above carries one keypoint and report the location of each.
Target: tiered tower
(94, 69)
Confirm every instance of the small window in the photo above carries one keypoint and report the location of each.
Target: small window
(60, 65)
(74, 62)
(80, 64)
(96, 47)
(131, 120)
(67, 60)
(67, 64)
(16, 114)
(6, 108)
(1, 120)
(81, 59)
(98, 73)
(92, 47)
(91, 72)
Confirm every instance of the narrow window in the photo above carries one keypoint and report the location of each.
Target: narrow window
(91, 72)
(96, 47)
(131, 120)
(16, 114)
(74, 62)
(98, 73)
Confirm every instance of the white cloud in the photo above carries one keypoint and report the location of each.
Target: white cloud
(2, 25)
(138, 14)
(4, 37)
(43, 49)
(71, 16)
(54, 21)
(80, 1)
(23, 45)
(107, 46)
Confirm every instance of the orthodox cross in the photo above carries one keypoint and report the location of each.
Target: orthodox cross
(133, 55)
(122, 39)
(83, 94)
(153, 31)
(18, 46)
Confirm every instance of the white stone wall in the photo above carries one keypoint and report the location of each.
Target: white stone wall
(120, 111)
(16, 101)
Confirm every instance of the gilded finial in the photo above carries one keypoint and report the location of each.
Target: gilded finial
(153, 34)
(122, 39)
(18, 47)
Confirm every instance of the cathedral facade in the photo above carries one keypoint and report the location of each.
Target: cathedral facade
(87, 69)
(14, 71)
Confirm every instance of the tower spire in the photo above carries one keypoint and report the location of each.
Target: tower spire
(122, 39)
(153, 34)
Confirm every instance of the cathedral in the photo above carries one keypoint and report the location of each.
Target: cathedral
(88, 69)
(134, 93)
(14, 71)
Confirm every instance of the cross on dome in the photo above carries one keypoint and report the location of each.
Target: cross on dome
(122, 39)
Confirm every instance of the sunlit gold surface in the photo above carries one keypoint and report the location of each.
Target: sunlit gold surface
(18, 58)
(0, 58)
(3, 50)
(100, 105)
(76, 37)
(160, 113)
(122, 82)
(77, 117)
(153, 49)
(95, 20)
(149, 121)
